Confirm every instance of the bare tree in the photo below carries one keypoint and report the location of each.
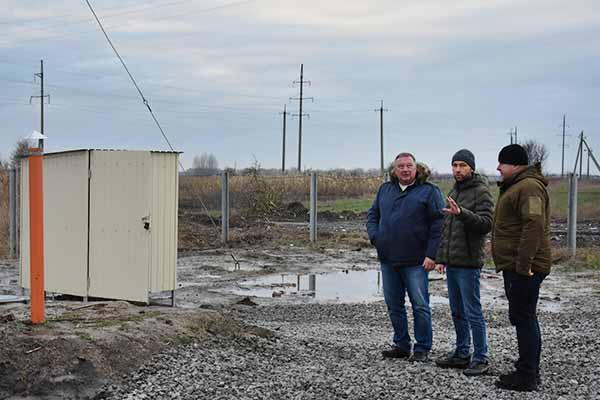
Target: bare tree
(204, 164)
(536, 151)
(21, 150)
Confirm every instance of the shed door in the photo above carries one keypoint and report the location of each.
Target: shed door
(119, 243)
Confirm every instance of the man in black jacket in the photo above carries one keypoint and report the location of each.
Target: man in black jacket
(461, 255)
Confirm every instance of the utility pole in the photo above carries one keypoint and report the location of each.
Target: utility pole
(283, 148)
(511, 136)
(562, 164)
(591, 155)
(588, 163)
(381, 110)
(516, 138)
(300, 115)
(581, 156)
(41, 97)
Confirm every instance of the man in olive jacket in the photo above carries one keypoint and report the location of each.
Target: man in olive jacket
(521, 250)
(461, 254)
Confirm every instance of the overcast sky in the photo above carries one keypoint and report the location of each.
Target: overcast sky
(217, 74)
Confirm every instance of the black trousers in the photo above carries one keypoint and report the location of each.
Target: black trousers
(523, 293)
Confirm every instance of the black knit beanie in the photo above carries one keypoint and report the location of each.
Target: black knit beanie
(466, 156)
(513, 154)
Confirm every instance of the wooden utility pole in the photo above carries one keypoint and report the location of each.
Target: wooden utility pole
(381, 110)
(283, 145)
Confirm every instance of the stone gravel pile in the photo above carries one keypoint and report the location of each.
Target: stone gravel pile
(332, 351)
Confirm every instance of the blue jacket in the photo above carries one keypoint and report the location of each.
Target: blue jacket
(406, 226)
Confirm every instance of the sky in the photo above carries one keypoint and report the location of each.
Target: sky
(218, 73)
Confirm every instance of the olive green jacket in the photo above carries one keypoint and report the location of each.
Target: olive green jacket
(464, 234)
(521, 228)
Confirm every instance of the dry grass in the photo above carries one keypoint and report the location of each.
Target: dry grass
(585, 258)
(285, 189)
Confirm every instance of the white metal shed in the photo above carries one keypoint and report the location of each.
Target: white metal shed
(110, 223)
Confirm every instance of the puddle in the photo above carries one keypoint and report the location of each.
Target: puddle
(342, 286)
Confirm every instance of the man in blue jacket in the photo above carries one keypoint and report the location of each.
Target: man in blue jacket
(405, 225)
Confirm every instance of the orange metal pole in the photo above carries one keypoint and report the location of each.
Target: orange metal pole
(36, 234)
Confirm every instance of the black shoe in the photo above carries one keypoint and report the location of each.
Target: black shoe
(419, 356)
(477, 368)
(538, 376)
(517, 382)
(395, 352)
(452, 360)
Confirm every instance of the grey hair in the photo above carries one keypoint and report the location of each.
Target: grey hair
(405, 155)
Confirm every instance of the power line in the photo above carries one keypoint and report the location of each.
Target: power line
(132, 79)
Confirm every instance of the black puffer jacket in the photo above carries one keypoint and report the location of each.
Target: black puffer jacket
(464, 234)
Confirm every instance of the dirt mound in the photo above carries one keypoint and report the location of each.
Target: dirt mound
(80, 348)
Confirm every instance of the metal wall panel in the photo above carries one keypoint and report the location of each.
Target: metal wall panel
(163, 270)
(65, 223)
(120, 189)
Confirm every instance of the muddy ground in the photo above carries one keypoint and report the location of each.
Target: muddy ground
(85, 346)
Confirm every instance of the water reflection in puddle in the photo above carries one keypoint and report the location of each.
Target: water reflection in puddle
(343, 286)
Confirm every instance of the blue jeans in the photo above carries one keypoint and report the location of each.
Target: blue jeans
(522, 293)
(463, 294)
(397, 281)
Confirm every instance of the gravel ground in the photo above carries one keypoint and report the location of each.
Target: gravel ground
(331, 351)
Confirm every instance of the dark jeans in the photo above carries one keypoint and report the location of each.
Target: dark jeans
(467, 315)
(397, 282)
(523, 293)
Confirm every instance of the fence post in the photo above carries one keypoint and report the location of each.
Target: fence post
(313, 207)
(225, 207)
(572, 216)
(312, 283)
(12, 207)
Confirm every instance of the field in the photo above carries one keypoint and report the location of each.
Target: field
(339, 194)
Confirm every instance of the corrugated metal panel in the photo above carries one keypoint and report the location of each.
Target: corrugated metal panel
(119, 245)
(65, 222)
(24, 222)
(163, 271)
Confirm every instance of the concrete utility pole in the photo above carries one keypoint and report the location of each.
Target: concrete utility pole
(225, 207)
(41, 97)
(562, 164)
(516, 137)
(381, 110)
(283, 146)
(591, 155)
(588, 163)
(581, 155)
(313, 207)
(572, 215)
(300, 115)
